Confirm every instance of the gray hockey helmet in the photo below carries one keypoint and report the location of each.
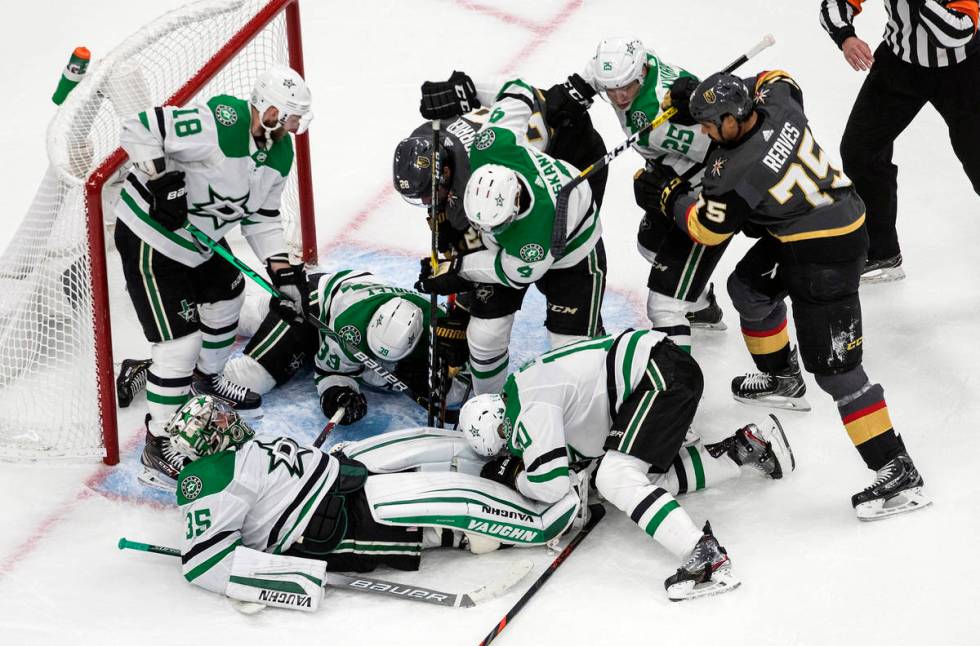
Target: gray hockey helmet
(718, 95)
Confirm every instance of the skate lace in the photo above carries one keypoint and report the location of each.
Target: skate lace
(139, 381)
(883, 475)
(757, 381)
(229, 389)
(172, 455)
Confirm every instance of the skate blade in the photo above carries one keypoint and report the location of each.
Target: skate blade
(152, 478)
(247, 607)
(799, 404)
(909, 500)
(720, 583)
(703, 325)
(781, 449)
(879, 276)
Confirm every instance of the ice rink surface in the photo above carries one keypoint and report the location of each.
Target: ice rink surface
(812, 574)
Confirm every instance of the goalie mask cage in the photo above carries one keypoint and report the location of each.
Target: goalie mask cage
(57, 389)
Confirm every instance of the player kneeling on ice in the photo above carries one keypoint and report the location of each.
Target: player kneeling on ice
(627, 400)
(267, 516)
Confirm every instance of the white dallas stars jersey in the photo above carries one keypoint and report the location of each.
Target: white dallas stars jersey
(229, 179)
(260, 496)
(558, 405)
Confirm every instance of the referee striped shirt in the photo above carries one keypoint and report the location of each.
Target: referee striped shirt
(929, 33)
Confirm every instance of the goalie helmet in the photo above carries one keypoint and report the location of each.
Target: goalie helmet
(395, 329)
(204, 426)
(412, 168)
(492, 197)
(483, 424)
(283, 88)
(718, 95)
(618, 62)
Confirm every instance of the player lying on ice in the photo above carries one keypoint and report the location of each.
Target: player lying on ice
(255, 509)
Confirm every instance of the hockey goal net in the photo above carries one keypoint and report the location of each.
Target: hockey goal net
(57, 397)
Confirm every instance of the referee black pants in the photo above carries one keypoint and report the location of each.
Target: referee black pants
(892, 94)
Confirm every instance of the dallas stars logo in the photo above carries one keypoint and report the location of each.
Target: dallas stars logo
(225, 115)
(220, 209)
(290, 83)
(631, 47)
(296, 362)
(187, 311)
(286, 453)
(499, 200)
(717, 166)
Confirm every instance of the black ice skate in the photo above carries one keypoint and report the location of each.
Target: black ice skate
(897, 488)
(161, 462)
(783, 389)
(131, 380)
(886, 270)
(708, 317)
(240, 398)
(765, 449)
(706, 571)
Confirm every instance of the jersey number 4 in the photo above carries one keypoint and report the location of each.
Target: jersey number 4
(810, 176)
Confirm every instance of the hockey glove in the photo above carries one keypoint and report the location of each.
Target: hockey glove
(657, 186)
(451, 337)
(446, 279)
(169, 206)
(568, 101)
(503, 469)
(679, 96)
(353, 403)
(290, 281)
(448, 99)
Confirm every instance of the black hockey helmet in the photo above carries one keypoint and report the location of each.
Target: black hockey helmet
(412, 168)
(718, 95)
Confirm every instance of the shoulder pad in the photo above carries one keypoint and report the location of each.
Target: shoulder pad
(205, 476)
(765, 78)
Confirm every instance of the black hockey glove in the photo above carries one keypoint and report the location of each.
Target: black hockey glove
(290, 281)
(503, 469)
(353, 403)
(169, 206)
(568, 101)
(679, 97)
(451, 337)
(446, 279)
(448, 99)
(656, 187)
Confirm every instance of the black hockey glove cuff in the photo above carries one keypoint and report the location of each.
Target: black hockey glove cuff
(679, 96)
(451, 337)
(448, 99)
(169, 206)
(353, 403)
(568, 101)
(657, 187)
(503, 469)
(445, 280)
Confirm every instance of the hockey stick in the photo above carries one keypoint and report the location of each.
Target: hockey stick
(561, 203)
(596, 512)
(510, 577)
(396, 384)
(434, 260)
(328, 429)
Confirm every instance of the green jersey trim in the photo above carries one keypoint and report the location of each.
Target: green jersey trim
(215, 472)
(211, 562)
(557, 472)
(233, 133)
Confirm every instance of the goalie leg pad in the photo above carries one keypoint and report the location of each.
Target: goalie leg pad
(276, 580)
(424, 449)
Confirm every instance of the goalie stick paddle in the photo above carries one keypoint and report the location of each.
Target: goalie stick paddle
(596, 513)
(510, 577)
(558, 234)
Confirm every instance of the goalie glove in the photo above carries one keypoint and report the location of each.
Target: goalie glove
(448, 99)
(657, 186)
(276, 580)
(169, 206)
(451, 337)
(445, 280)
(290, 281)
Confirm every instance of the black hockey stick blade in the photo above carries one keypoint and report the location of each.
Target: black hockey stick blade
(596, 513)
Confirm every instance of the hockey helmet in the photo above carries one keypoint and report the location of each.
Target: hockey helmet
(618, 62)
(283, 88)
(718, 95)
(411, 169)
(492, 197)
(205, 425)
(394, 329)
(482, 422)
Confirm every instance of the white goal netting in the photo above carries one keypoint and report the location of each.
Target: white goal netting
(49, 322)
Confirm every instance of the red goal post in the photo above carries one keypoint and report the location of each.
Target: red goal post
(205, 48)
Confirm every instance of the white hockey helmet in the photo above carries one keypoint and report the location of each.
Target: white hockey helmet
(492, 197)
(482, 422)
(283, 88)
(205, 425)
(395, 329)
(618, 62)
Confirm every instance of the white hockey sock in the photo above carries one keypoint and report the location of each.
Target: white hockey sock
(669, 315)
(168, 382)
(246, 371)
(622, 480)
(694, 469)
(219, 324)
(488, 340)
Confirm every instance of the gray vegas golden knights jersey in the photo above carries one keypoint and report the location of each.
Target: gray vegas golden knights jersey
(778, 179)
(229, 179)
(559, 406)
